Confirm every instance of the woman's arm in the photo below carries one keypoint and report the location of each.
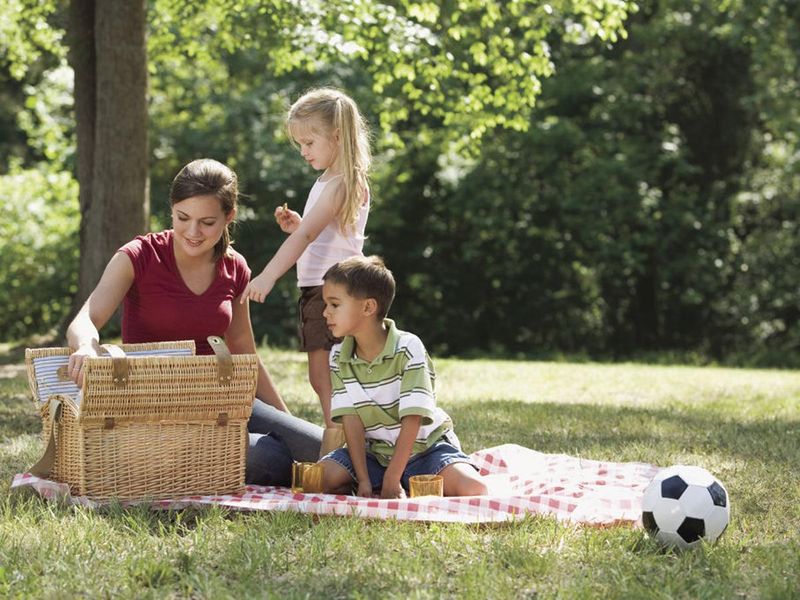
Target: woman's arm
(324, 211)
(82, 333)
(240, 340)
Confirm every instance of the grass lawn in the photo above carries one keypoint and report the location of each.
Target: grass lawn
(742, 425)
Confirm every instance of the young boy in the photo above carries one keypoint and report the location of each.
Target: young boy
(383, 394)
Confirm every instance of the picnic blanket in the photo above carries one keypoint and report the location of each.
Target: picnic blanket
(521, 482)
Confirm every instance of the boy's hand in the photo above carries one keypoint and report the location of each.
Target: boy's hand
(364, 489)
(258, 289)
(287, 219)
(392, 489)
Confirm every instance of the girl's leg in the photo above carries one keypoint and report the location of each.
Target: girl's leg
(319, 376)
(461, 479)
(301, 437)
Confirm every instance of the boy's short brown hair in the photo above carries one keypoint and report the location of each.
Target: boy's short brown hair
(365, 277)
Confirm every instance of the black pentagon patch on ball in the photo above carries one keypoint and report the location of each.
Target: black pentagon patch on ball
(718, 494)
(692, 529)
(649, 522)
(673, 487)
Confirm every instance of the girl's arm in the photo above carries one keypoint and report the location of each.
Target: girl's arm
(240, 340)
(82, 333)
(324, 211)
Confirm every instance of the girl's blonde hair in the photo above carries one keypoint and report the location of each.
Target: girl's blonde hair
(324, 111)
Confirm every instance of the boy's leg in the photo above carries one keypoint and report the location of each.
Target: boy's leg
(461, 479)
(338, 475)
(335, 478)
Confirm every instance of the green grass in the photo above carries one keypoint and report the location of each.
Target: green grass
(743, 425)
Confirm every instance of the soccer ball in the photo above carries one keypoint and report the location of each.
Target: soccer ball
(684, 505)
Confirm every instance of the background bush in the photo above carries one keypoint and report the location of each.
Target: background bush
(651, 206)
(38, 249)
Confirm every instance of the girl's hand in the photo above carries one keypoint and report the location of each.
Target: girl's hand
(364, 489)
(258, 289)
(75, 364)
(287, 219)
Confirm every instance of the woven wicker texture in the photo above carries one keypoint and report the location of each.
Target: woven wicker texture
(171, 426)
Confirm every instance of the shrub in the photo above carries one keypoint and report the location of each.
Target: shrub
(38, 249)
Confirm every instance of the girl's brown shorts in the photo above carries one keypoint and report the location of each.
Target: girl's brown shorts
(312, 328)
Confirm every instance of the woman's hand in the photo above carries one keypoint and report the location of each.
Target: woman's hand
(287, 219)
(75, 364)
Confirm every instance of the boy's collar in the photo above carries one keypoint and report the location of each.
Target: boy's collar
(348, 354)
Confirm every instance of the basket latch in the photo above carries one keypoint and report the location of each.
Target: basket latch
(224, 359)
(222, 419)
(119, 364)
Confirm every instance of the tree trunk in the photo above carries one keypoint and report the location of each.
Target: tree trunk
(109, 56)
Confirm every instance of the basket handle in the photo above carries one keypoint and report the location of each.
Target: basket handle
(44, 465)
(224, 359)
(119, 364)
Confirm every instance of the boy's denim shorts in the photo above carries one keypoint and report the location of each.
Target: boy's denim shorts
(430, 462)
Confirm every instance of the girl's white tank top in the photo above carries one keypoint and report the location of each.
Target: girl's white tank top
(330, 246)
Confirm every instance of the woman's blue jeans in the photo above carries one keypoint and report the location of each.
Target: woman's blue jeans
(277, 439)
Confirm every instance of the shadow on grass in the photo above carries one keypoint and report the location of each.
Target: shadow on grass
(592, 431)
(625, 433)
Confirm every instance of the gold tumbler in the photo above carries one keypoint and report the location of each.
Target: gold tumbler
(306, 477)
(426, 485)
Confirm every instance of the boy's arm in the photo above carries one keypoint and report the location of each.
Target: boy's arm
(409, 428)
(354, 435)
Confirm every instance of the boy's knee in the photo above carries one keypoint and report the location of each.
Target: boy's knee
(476, 488)
(334, 478)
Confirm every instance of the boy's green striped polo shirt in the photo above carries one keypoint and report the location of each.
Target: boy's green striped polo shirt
(399, 382)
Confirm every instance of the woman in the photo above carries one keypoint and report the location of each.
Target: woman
(186, 283)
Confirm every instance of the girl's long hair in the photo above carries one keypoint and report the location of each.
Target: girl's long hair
(324, 111)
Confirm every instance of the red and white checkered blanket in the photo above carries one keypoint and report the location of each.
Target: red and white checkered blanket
(521, 481)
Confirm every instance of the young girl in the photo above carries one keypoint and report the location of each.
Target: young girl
(332, 137)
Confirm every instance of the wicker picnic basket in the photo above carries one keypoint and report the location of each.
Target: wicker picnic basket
(151, 420)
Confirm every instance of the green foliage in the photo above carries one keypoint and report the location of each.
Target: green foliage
(27, 36)
(469, 66)
(36, 121)
(38, 249)
(625, 219)
(47, 119)
(575, 176)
